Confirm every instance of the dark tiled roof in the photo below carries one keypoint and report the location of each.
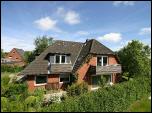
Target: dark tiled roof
(98, 48)
(40, 64)
(91, 47)
(77, 50)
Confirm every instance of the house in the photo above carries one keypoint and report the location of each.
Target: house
(14, 57)
(56, 66)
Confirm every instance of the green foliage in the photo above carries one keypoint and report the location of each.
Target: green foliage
(102, 82)
(135, 59)
(77, 89)
(41, 43)
(13, 69)
(28, 56)
(4, 104)
(143, 105)
(2, 53)
(14, 89)
(109, 99)
(31, 101)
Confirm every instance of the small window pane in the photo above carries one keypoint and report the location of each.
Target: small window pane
(57, 59)
(98, 61)
(51, 59)
(41, 79)
(105, 61)
(63, 59)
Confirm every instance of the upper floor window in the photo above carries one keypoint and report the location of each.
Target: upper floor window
(102, 61)
(60, 59)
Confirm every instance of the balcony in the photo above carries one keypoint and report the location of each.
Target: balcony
(116, 68)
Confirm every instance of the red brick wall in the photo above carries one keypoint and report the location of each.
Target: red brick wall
(30, 83)
(14, 54)
(84, 68)
(112, 59)
(82, 71)
(51, 79)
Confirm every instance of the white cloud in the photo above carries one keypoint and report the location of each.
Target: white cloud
(71, 17)
(127, 3)
(112, 37)
(146, 30)
(82, 33)
(47, 23)
(8, 43)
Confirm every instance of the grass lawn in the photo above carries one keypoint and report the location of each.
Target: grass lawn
(143, 105)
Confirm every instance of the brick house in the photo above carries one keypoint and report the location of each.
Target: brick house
(56, 66)
(14, 57)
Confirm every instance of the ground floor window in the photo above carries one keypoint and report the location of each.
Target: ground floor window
(64, 78)
(41, 79)
(96, 79)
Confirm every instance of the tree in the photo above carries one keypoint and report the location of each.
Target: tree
(2, 53)
(135, 58)
(28, 56)
(41, 43)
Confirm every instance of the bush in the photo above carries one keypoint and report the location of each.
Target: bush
(77, 89)
(13, 69)
(15, 89)
(109, 99)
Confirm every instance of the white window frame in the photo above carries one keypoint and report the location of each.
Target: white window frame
(63, 76)
(61, 59)
(35, 84)
(102, 60)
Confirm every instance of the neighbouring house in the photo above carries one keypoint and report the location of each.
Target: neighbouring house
(14, 57)
(56, 66)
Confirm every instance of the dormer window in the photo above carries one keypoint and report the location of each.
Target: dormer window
(60, 59)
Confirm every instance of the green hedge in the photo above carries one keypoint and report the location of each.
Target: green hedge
(13, 69)
(111, 99)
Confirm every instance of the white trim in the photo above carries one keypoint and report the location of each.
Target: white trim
(41, 83)
(60, 59)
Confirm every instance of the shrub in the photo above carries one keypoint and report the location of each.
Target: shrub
(77, 89)
(109, 99)
(4, 104)
(15, 89)
(13, 69)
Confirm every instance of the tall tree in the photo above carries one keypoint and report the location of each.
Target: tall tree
(135, 58)
(41, 43)
(2, 53)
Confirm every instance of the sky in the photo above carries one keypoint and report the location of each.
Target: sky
(113, 23)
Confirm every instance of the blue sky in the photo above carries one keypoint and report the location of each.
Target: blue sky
(113, 23)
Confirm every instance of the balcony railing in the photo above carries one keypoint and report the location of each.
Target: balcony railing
(116, 68)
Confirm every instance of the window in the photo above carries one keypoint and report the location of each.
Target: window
(102, 61)
(64, 78)
(57, 60)
(41, 79)
(10, 56)
(62, 59)
(108, 78)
